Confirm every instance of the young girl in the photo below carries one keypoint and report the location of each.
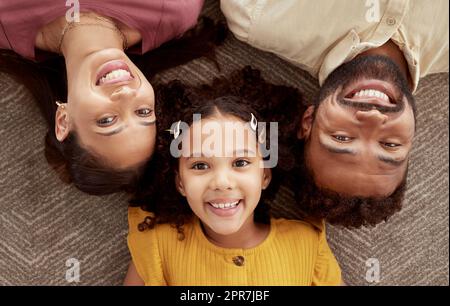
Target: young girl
(209, 222)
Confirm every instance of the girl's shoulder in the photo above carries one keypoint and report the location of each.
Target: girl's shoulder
(305, 227)
(137, 216)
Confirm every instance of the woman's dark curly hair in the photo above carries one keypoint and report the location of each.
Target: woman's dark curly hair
(241, 94)
(47, 82)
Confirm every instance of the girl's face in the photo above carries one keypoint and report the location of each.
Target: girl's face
(223, 190)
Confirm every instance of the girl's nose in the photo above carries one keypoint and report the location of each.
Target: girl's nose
(222, 181)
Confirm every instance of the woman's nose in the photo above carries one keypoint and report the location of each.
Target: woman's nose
(123, 92)
(372, 117)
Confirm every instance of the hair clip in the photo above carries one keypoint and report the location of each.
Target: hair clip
(253, 122)
(176, 130)
(262, 136)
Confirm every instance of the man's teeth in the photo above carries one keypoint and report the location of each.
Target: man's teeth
(371, 93)
(115, 74)
(225, 205)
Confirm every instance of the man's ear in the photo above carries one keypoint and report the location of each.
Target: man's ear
(62, 124)
(306, 123)
(267, 177)
(179, 184)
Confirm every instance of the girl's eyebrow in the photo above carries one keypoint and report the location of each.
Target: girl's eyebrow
(235, 153)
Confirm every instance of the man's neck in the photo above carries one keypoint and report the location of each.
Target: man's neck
(391, 50)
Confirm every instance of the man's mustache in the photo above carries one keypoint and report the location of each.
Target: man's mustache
(399, 106)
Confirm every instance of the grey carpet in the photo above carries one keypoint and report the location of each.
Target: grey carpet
(43, 222)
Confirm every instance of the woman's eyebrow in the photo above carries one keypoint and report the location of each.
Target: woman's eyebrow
(113, 132)
(120, 129)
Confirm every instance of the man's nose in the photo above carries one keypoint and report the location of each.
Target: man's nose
(373, 117)
(122, 93)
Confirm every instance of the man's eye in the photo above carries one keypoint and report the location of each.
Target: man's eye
(342, 138)
(200, 166)
(240, 163)
(106, 121)
(391, 145)
(144, 112)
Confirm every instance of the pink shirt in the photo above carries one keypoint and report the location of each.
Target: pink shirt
(158, 21)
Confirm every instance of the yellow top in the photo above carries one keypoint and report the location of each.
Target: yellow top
(294, 253)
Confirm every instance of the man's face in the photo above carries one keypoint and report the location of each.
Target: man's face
(359, 136)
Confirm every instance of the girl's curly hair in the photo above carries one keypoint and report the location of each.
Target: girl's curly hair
(242, 93)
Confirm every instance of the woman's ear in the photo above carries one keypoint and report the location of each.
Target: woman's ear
(267, 177)
(306, 123)
(179, 185)
(62, 124)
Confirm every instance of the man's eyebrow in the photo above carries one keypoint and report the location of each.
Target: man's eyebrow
(391, 161)
(335, 150)
(120, 129)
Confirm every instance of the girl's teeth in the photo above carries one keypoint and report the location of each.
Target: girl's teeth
(224, 205)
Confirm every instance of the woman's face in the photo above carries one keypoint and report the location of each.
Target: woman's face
(111, 108)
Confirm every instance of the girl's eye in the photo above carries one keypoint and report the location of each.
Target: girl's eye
(342, 138)
(241, 163)
(390, 145)
(144, 112)
(200, 166)
(106, 121)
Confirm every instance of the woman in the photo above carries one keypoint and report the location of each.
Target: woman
(99, 105)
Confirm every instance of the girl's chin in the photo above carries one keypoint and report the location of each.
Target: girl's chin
(224, 229)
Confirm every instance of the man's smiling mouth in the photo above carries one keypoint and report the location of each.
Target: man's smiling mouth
(372, 91)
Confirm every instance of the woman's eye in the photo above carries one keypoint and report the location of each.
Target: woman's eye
(342, 138)
(106, 121)
(391, 145)
(200, 166)
(241, 163)
(144, 112)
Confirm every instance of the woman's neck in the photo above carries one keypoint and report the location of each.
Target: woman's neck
(250, 235)
(97, 33)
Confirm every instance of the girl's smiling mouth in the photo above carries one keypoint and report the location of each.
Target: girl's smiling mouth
(224, 207)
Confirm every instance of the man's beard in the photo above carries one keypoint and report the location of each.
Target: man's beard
(365, 68)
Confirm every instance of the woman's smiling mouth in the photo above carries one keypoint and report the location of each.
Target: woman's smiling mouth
(113, 72)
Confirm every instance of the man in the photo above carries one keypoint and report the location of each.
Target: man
(368, 57)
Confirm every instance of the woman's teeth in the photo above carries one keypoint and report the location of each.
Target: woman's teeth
(225, 205)
(115, 74)
(371, 93)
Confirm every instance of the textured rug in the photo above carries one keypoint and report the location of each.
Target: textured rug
(48, 229)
